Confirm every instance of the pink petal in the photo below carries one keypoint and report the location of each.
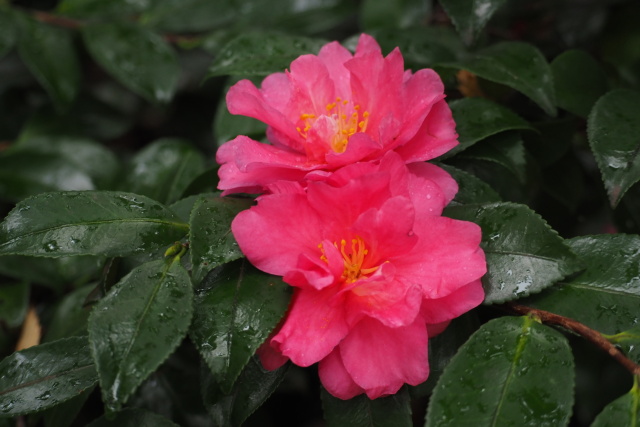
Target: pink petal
(435, 174)
(453, 305)
(314, 88)
(270, 358)
(367, 44)
(360, 147)
(435, 329)
(381, 359)
(335, 378)
(334, 55)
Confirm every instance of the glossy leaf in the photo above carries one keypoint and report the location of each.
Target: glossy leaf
(138, 58)
(606, 295)
(63, 414)
(137, 326)
(42, 376)
(390, 411)
(260, 54)
(471, 16)
(395, 15)
(8, 30)
(471, 190)
(164, 169)
(613, 130)
(579, 81)
(14, 299)
(628, 342)
(100, 9)
(211, 241)
(190, 15)
(505, 149)
(56, 273)
(512, 371)
(479, 118)
(524, 255)
(183, 207)
(236, 308)
(133, 418)
(49, 54)
(88, 223)
(624, 411)
(253, 387)
(518, 65)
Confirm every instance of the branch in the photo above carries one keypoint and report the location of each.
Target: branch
(572, 325)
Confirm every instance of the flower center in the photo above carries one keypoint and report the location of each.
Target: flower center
(346, 118)
(353, 258)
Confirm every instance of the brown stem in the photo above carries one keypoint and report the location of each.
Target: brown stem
(572, 325)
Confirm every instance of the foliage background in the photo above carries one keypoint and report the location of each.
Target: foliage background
(126, 98)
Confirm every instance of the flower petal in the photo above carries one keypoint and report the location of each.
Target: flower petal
(335, 378)
(453, 305)
(436, 174)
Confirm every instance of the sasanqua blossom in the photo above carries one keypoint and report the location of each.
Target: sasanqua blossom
(376, 269)
(335, 109)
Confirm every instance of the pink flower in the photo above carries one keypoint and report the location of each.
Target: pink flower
(376, 269)
(335, 109)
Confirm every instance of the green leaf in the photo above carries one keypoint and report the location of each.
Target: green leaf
(70, 315)
(552, 141)
(390, 411)
(227, 126)
(211, 241)
(394, 15)
(470, 16)
(471, 190)
(8, 30)
(137, 326)
(164, 169)
(235, 311)
(505, 149)
(524, 255)
(579, 81)
(629, 342)
(518, 65)
(606, 295)
(613, 130)
(88, 223)
(190, 15)
(133, 418)
(57, 273)
(253, 387)
(100, 9)
(42, 376)
(14, 299)
(138, 58)
(260, 54)
(183, 207)
(512, 371)
(624, 411)
(63, 414)
(50, 55)
(479, 118)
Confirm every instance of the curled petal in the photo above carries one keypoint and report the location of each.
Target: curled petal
(335, 378)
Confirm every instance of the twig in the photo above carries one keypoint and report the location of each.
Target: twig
(572, 325)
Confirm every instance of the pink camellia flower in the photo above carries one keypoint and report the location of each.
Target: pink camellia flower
(335, 109)
(377, 270)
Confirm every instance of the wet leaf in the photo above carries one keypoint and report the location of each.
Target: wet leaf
(505, 149)
(138, 58)
(133, 418)
(14, 300)
(260, 54)
(191, 15)
(390, 411)
(137, 326)
(471, 190)
(524, 255)
(236, 308)
(183, 207)
(88, 223)
(479, 118)
(579, 81)
(251, 389)
(8, 30)
(164, 169)
(470, 16)
(629, 343)
(395, 15)
(613, 129)
(57, 273)
(624, 411)
(63, 414)
(211, 241)
(518, 65)
(606, 295)
(512, 371)
(45, 375)
(100, 9)
(50, 55)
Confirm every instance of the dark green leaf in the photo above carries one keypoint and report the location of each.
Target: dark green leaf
(624, 411)
(579, 81)
(518, 65)
(211, 241)
(470, 16)
(70, 315)
(629, 342)
(524, 255)
(253, 387)
(552, 141)
(479, 118)
(164, 169)
(505, 149)
(137, 326)
(8, 30)
(227, 126)
(101, 9)
(564, 180)
(183, 207)
(88, 223)
(613, 129)
(191, 15)
(512, 371)
(260, 54)
(236, 309)
(395, 15)
(390, 411)
(206, 182)
(503, 181)
(49, 54)
(45, 375)
(133, 418)
(606, 295)
(138, 58)
(62, 415)
(471, 190)
(57, 273)
(14, 299)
